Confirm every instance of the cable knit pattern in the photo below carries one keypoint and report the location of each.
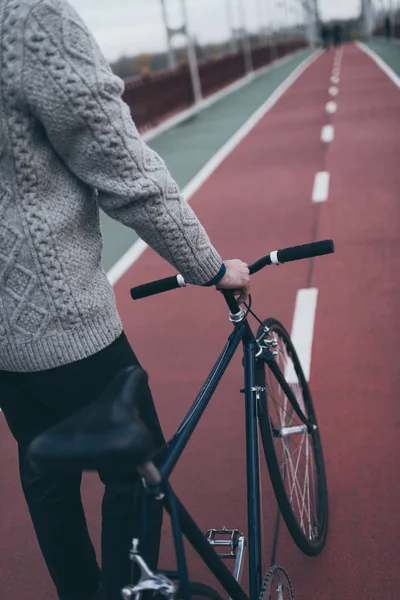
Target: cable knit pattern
(67, 146)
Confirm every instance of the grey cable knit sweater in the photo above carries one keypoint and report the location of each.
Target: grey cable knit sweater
(67, 146)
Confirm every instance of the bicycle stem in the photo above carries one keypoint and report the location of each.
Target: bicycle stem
(231, 302)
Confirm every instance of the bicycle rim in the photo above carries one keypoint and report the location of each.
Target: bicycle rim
(295, 461)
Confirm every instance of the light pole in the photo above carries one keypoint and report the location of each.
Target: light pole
(192, 59)
(245, 39)
(283, 4)
(171, 55)
(287, 14)
(367, 14)
(310, 11)
(260, 6)
(270, 29)
(229, 15)
(193, 66)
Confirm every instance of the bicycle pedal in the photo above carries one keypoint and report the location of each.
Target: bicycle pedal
(236, 541)
(225, 538)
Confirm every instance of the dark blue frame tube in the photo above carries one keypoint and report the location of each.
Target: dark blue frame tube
(180, 517)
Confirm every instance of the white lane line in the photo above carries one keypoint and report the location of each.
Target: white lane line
(381, 64)
(327, 133)
(335, 79)
(331, 107)
(303, 331)
(137, 249)
(321, 187)
(184, 115)
(333, 90)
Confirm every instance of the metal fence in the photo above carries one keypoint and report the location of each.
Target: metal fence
(154, 97)
(380, 31)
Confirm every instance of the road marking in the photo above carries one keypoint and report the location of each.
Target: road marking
(137, 249)
(184, 115)
(381, 64)
(321, 187)
(303, 331)
(335, 79)
(333, 91)
(331, 107)
(327, 133)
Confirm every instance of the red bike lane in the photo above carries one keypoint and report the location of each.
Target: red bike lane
(259, 200)
(355, 373)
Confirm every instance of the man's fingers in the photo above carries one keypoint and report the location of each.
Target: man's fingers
(242, 295)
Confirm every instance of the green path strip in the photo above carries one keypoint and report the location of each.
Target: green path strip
(387, 51)
(189, 146)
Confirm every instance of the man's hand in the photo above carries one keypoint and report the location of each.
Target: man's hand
(236, 278)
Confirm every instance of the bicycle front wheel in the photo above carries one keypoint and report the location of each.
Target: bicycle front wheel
(294, 456)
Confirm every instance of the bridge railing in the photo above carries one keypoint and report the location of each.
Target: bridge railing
(155, 97)
(380, 31)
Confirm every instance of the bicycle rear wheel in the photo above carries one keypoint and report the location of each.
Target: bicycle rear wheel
(294, 457)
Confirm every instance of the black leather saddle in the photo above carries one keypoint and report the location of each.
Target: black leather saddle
(107, 433)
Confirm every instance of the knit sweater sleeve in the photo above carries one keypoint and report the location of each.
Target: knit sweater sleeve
(72, 91)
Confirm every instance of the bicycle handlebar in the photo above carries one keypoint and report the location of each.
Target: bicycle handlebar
(294, 253)
(277, 257)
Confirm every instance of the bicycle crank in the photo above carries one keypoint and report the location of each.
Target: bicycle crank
(234, 543)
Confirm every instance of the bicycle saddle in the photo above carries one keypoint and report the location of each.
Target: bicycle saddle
(105, 434)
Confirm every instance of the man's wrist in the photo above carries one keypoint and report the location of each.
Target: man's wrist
(215, 280)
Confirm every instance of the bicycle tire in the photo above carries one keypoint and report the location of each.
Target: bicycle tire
(313, 542)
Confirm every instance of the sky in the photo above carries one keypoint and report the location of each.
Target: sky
(133, 26)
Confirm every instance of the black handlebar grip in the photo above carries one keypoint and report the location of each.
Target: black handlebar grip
(156, 287)
(305, 251)
(260, 264)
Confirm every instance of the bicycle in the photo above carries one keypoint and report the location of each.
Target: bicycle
(110, 430)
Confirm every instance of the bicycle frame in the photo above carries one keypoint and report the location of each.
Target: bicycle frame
(182, 522)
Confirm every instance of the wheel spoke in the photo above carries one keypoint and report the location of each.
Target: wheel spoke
(298, 488)
(295, 449)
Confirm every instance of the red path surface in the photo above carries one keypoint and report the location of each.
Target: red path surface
(258, 200)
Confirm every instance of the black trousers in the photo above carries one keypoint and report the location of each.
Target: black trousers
(33, 402)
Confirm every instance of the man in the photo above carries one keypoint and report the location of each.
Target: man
(67, 147)
(337, 35)
(325, 36)
(388, 27)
